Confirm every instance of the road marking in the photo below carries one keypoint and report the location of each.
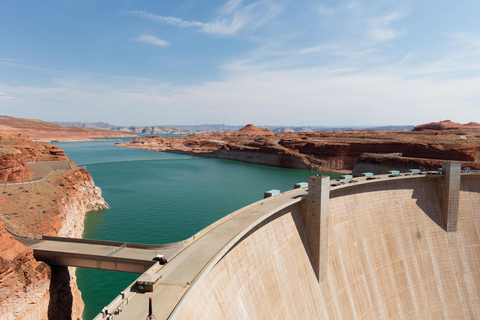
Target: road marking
(158, 268)
(174, 285)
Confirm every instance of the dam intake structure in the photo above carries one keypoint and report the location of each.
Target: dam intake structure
(401, 247)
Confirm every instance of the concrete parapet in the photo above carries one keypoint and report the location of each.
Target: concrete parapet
(450, 191)
(317, 223)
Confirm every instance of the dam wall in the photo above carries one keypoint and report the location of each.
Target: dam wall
(389, 257)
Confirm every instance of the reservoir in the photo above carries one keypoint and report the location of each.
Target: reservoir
(159, 197)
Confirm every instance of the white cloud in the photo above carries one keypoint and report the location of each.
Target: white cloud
(5, 96)
(458, 57)
(152, 40)
(322, 77)
(231, 6)
(381, 29)
(9, 60)
(232, 18)
(465, 38)
(165, 19)
(296, 97)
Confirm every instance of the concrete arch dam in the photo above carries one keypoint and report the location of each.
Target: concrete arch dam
(375, 249)
(388, 257)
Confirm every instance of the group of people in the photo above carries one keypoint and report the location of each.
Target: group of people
(110, 315)
(105, 313)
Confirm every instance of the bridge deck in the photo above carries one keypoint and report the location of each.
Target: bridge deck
(100, 250)
(98, 256)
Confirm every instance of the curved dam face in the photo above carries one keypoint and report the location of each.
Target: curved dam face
(389, 257)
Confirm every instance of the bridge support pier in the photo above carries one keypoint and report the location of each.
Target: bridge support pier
(450, 192)
(317, 223)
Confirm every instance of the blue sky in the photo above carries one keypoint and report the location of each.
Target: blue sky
(266, 62)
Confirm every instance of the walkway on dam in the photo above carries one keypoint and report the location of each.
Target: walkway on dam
(209, 244)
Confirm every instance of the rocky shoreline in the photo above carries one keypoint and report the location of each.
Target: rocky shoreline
(31, 289)
(336, 151)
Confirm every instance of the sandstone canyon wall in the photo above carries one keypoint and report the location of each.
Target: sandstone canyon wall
(31, 289)
(338, 151)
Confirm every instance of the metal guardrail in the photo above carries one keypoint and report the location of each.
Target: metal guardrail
(18, 235)
(35, 181)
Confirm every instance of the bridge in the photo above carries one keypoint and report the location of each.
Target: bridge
(97, 254)
(330, 251)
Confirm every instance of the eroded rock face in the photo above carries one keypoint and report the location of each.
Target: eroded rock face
(13, 166)
(30, 289)
(24, 282)
(17, 149)
(326, 150)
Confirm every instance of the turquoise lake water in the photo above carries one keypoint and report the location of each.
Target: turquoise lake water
(159, 197)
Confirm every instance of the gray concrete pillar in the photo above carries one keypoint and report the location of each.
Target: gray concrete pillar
(450, 194)
(317, 223)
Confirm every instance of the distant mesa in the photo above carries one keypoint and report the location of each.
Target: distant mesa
(46, 131)
(131, 129)
(250, 129)
(189, 129)
(446, 125)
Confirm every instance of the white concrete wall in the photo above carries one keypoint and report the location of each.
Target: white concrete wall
(389, 257)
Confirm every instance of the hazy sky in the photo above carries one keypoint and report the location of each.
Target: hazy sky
(371, 62)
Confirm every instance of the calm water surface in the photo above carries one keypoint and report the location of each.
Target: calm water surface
(159, 197)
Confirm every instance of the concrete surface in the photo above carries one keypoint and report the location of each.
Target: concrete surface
(389, 257)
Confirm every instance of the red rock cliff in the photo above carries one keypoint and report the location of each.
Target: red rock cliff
(328, 150)
(24, 282)
(16, 150)
(31, 289)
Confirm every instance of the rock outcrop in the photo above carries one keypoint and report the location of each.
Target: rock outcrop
(446, 125)
(16, 150)
(30, 289)
(251, 130)
(337, 151)
(24, 282)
